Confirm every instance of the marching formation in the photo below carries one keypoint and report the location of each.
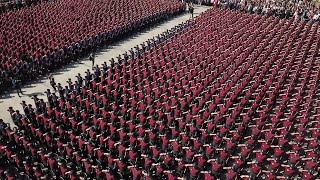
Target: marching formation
(38, 39)
(225, 95)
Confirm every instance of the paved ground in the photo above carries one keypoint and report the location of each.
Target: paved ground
(61, 76)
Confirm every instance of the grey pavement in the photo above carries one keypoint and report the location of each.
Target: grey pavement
(38, 87)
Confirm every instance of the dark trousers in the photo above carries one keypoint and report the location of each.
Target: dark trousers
(19, 91)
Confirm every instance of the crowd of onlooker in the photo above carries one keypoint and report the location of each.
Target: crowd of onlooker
(299, 9)
(304, 10)
(8, 5)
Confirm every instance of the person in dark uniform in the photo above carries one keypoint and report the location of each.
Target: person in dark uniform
(91, 58)
(52, 82)
(191, 9)
(16, 85)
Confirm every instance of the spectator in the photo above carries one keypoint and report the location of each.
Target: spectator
(297, 9)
